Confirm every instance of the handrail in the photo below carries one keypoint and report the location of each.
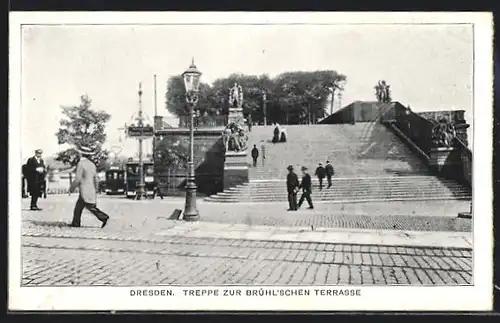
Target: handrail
(419, 130)
(204, 121)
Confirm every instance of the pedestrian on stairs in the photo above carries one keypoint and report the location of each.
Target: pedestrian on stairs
(305, 185)
(255, 155)
(292, 184)
(329, 173)
(320, 173)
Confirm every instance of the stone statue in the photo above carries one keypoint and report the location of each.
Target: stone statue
(443, 134)
(235, 96)
(235, 138)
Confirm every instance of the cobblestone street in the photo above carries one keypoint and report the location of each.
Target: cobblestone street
(131, 250)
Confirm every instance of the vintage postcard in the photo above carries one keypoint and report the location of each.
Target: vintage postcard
(250, 161)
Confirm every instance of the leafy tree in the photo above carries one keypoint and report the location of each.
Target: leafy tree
(172, 151)
(304, 93)
(291, 97)
(82, 126)
(383, 92)
(176, 97)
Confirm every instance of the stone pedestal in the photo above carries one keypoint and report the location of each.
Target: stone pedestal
(466, 215)
(461, 130)
(235, 168)
(440, 157)
(236, 116)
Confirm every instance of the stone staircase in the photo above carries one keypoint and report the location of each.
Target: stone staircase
(370, 163)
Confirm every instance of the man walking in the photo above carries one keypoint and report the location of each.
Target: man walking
(329, 173)
(305, 185)
(87, 182)
(320, 173)
(158, 189)
(292, 184)
(255, 155)
(35, 175)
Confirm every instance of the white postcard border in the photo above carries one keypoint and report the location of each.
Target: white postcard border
(460, 298)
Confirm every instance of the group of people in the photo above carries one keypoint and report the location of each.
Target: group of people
(86, 180)
(324, 171)
(294, 186)
(279, 134)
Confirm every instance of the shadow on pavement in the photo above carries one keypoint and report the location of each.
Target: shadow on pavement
(51, 223)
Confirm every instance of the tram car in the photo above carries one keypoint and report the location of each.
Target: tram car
(114, 182)
(133, 178)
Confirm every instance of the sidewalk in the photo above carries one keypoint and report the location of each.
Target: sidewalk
(140, 246)
(462, 240)
(130, 214)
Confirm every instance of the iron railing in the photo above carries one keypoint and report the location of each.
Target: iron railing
(204, 121)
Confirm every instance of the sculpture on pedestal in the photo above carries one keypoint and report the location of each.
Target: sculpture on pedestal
(443, 134)
(235, 97)
(234, 136)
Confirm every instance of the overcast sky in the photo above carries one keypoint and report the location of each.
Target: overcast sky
(429, 67)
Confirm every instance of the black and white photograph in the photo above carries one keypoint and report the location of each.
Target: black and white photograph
(250, 161)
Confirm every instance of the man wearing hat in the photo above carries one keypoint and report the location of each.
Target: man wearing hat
(305, 185)
(87, 182)
(35, 175)
(292, 183)
(320, 173)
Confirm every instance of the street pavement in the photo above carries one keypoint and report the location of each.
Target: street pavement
(249, 244)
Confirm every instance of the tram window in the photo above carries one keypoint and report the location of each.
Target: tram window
(149, 170)
(121, 175)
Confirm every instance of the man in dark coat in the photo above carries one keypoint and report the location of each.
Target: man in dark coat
(158, 189)
(255, 155)
(23, 179)
(329, 173)
(276, 136)
(305, 185)
(35, 174)
(320, 173)
(292, 184)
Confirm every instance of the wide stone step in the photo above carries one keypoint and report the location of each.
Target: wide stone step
(408, 186)
(332, 191)
(349, 200)
(329, 192)
(337, 193)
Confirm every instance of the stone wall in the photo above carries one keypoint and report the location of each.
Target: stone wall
(417, 128)
(208, 162)
(453, 162)
(456, 117)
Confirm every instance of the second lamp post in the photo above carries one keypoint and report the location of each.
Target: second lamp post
(191, 82)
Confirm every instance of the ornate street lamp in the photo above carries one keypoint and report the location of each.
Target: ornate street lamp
(264, 108)
(191, 82)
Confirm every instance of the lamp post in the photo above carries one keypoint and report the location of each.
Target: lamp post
(333, 100)
(191, 82)
(264, 104)
(140, 119)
